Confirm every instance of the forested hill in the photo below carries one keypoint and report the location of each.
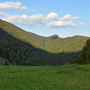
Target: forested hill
(16, 52)
(53, 44)
(18, 47)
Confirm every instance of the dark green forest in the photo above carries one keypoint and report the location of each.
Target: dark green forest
(18, 47)
(84, 57)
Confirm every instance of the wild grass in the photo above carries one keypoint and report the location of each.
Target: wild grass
(71, 77)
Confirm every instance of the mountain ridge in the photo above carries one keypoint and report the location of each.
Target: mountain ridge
(16, 52)
(53, 44)
(18, 47)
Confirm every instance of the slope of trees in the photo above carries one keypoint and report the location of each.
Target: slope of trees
(52, 44)
(18, 47)
(17, 52)
(84, 57)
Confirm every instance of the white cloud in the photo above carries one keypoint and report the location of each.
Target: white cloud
(53, 21)
(61, 24)
(83, 24)
(56, 21)
(55, 16)
(68, 17)
(23, 19)
(52, 16)
(12, 5)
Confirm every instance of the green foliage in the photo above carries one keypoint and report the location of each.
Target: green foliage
(18, 52)
(84, 57)
(4, 61)
(72, 77)
(22, 48)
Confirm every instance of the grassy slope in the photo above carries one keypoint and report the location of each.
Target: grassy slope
(21, 34)
(70, 44)
(74, 77)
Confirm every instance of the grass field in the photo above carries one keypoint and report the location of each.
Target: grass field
(72, 77)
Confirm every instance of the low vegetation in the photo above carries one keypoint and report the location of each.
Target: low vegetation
(72, 77)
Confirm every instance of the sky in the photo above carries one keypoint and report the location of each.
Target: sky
(65, 18)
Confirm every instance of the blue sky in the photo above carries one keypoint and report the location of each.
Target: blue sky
(69, 17)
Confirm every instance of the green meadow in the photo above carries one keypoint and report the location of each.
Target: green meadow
(70, 77)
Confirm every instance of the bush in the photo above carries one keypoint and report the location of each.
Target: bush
(4, 62)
